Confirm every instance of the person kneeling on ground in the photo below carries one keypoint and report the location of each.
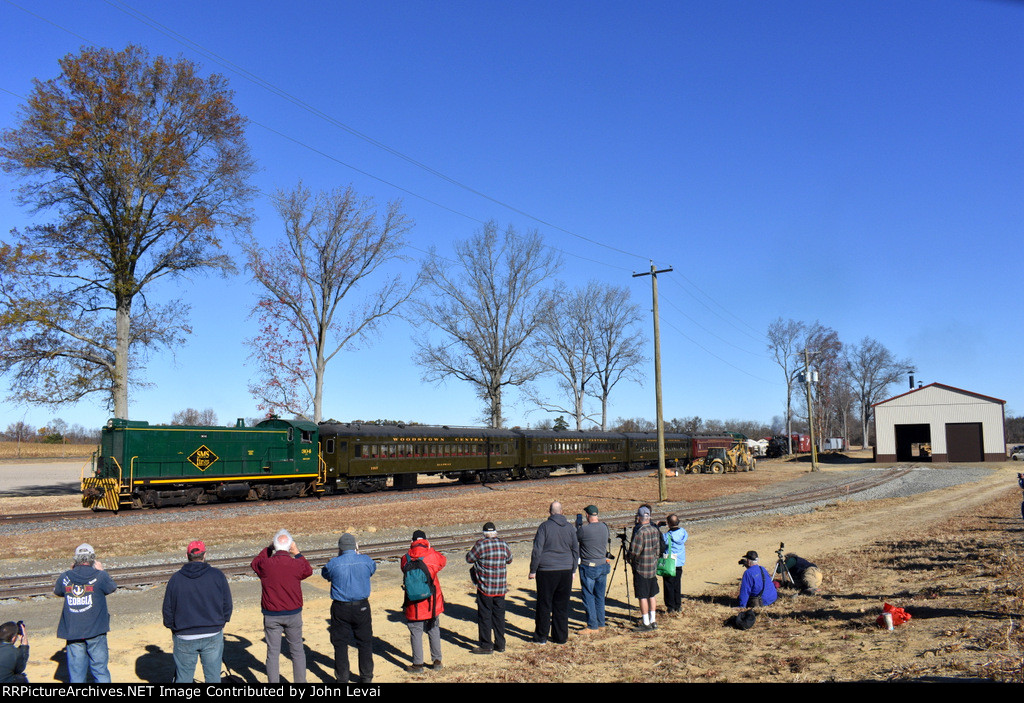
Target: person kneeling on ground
(756, 587)
(806, 574)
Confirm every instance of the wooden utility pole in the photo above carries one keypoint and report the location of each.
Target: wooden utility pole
(662, 490)
(810, 409)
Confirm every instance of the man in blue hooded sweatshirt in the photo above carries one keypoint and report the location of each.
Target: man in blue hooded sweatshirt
(197, 605)
(84, 621)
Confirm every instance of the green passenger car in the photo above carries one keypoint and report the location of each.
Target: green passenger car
(363, 457)
(143, 465)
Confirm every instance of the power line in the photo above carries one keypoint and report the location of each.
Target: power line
(749, 331)
(270, 87)
(716, 336)
(716, 356)
(390, 184)
(283, 94)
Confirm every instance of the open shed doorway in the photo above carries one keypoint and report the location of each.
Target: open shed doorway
(913, 442)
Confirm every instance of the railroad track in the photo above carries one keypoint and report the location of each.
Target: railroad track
(136, 576)
(84, 514)
(397, 494)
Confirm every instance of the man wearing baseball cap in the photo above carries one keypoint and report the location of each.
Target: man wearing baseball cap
(197, 605)
(756, 587)
(85, 620)
(644, 550)
(594, 537)
(490, 557)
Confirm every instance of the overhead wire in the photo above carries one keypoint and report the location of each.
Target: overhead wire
(283, 94)
(330, 119)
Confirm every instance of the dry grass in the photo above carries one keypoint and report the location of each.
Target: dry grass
(36, 450)
(963, 584)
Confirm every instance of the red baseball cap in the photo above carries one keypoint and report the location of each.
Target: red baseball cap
(196, 547)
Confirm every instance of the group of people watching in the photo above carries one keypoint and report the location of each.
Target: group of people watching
(197, 601)
(197, 605)
(559, 547)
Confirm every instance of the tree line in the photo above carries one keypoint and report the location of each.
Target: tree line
(56, 431)
(846, 379)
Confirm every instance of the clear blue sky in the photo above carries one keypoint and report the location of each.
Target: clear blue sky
(860, 164)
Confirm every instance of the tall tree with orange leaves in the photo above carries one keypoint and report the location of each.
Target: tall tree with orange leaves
(142, 163)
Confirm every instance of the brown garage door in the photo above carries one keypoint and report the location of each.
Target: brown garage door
(963, 441)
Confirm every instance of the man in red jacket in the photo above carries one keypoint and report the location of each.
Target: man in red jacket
(424, 601)
(281, 568)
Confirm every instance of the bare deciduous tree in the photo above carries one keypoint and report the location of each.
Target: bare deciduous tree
(191, 416)
(784, 341)
(872, 369)
(564, 349)
(787, 341)
(486, 305)
(144, 162)
(333, 244)
(618, 344)
(589, 342)
(825, 354)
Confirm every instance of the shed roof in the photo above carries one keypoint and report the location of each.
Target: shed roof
(944, 387)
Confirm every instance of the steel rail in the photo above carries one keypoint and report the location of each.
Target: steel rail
(154, 574)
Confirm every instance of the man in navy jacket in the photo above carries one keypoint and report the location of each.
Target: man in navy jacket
(84, 620)
(197, 605)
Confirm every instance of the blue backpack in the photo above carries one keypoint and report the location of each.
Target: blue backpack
(416, 580)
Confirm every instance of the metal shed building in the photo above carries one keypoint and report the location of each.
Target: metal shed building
(959, 425)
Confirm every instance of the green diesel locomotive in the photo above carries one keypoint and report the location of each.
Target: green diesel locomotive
(141, 465)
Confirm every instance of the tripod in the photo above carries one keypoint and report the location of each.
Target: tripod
(781, 569)
(620, 559)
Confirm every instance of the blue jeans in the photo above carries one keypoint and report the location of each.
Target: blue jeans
(209, 650)
(88, 655)
(592, 583)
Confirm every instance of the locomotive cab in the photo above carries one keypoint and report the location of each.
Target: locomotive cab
(142, 465)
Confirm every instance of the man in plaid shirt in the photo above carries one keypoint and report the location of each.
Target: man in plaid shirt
(644, 550)
(490, 558)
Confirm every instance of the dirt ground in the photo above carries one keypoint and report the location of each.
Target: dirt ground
(951, 557)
